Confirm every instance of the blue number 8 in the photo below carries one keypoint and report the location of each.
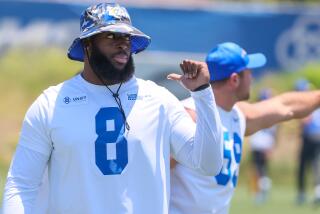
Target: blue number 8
(225, 174)
(111, 147)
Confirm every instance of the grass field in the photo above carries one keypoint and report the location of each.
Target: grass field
(281, 200)
(21, 82)
(283, 193)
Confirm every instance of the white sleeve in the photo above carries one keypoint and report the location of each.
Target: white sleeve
(35, 133)
(203, 150)
(23, 181)
(28, 164)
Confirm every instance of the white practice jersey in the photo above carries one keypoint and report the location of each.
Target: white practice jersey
(193, 193)
(95, 165)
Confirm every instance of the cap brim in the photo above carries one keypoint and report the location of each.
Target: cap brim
(139, 40)
(256, 60)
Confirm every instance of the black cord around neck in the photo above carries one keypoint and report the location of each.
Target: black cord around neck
(114, 95)
(118, 101)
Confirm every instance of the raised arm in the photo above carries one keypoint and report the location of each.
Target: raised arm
(287, 106)
(202, 152)
(193, 115)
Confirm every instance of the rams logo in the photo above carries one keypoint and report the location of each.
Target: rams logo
(118, 12)
(66, 100)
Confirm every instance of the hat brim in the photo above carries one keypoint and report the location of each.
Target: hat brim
(256, 60)
(139, 40)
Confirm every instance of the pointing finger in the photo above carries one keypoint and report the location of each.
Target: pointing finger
(174, 76)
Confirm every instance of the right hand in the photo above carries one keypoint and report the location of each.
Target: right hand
(195, 74)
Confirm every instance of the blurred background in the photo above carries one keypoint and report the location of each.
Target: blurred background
(35, 36)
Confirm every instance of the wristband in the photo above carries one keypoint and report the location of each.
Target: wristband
(201, 87)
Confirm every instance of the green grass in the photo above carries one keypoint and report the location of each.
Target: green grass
(281, 200)
(282, 171)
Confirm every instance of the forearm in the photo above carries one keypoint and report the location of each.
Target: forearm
(284, 107)
(300, 104)
(207, 147)
(24, 179)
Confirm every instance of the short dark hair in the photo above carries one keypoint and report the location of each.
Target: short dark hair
(225, 80)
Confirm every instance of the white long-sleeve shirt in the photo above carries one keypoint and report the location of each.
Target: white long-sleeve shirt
(97, 166)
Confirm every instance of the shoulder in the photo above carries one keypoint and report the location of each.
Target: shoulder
(69, 84)
(154, 89)
(237, 111)
(160, 95)
(48, 98)
(149, 84)
(240, 117)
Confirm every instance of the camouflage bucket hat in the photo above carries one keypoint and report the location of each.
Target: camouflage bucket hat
(107, 17)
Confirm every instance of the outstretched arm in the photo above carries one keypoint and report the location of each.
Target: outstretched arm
(287, 106)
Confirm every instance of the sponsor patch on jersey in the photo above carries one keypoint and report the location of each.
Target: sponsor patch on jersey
(137, 97)
(132, 96)
(75, 100)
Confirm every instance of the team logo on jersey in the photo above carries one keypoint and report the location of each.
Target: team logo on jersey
(82, 99)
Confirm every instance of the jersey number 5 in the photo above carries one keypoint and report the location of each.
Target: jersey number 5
(111, 147)
(226, 174)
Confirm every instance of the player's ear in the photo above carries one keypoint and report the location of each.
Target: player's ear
(86, 43)
(87, 46)
(234, 80)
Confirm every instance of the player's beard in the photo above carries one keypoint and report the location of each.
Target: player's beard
(103, 67)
